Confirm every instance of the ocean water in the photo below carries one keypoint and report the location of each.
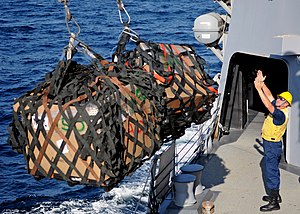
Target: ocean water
(32, 37)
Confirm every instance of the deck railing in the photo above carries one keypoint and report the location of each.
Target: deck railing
(167, 163)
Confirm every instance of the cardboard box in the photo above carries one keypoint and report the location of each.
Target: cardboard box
(47, 151)
(56, 127)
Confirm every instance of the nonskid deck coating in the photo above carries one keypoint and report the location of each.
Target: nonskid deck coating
(234, 175)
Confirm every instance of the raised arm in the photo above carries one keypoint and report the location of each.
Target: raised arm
(263, 91)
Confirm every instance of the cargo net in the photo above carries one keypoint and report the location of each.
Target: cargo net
(94, 124)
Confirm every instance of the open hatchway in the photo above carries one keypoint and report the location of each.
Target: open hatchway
(240, 94)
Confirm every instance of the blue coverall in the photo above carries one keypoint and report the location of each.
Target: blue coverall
(272, 154)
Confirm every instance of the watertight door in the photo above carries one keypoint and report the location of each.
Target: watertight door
(234, 109)
(240, 95)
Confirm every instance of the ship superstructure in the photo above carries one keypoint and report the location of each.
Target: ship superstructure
(250, 36)
(256, 35)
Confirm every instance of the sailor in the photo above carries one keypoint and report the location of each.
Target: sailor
(272, 131)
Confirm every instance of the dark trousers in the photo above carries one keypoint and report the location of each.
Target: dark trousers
(272, 154)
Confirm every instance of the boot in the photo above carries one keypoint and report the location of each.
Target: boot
(268, 198)
(273, 202)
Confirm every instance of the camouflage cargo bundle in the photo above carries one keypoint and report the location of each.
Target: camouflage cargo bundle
(94, 124)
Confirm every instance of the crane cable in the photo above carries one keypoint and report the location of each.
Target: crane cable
(121, 8)
(126, 34)
(70, 19)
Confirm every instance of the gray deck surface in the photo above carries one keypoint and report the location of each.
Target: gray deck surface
(233, 176)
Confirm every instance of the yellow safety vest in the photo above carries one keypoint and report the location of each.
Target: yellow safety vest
(270, 131)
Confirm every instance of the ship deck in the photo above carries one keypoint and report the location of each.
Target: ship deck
(233, 175)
